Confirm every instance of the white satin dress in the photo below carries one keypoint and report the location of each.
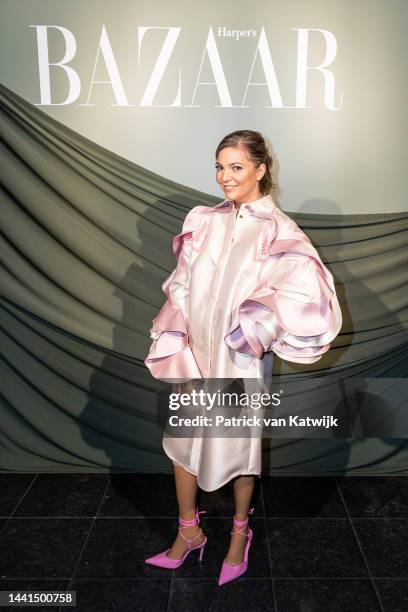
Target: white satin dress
(246, 287)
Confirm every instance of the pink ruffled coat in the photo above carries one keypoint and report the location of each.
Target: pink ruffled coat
(245, 287)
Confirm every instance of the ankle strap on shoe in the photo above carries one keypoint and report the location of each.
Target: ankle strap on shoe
(245, 521)
(239, 526)
(194, 521)
(184, 523)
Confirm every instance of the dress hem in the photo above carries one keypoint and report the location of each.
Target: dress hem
(219, 486)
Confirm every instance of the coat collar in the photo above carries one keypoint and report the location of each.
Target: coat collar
(263, 207)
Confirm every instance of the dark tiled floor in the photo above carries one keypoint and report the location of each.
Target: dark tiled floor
(320, 544)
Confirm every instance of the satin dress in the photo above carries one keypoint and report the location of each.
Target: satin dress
(246, 287)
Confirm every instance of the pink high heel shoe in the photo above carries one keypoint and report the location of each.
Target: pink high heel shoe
(232, 572)
(162, 560)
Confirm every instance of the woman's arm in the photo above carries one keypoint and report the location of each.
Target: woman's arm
(170, 357)
(296, 316)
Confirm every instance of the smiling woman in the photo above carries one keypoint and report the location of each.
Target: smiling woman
(246, 286)
(243, 172)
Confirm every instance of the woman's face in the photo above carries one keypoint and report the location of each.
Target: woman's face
(237, 176)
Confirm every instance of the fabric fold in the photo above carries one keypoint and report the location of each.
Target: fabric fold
(170, 356)
(296, 317)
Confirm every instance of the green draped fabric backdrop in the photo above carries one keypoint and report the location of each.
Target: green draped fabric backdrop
(85, 246)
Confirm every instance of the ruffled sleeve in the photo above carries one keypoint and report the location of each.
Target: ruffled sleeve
(170, 356)
(296, 315)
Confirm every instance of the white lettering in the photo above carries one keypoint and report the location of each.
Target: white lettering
(44, 65)
(160, 66)
(302, 68)
(112, 68)
(269, 70)
(218, 71)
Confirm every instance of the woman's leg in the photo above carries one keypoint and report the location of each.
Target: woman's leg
(243, 490)
(186, 489)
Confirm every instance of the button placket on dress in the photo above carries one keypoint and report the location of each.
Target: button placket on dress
(238, 215)
(230, 241)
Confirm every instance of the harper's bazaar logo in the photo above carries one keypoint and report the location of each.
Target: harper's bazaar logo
(163, 62)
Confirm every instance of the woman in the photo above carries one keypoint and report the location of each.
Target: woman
(248, 284)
